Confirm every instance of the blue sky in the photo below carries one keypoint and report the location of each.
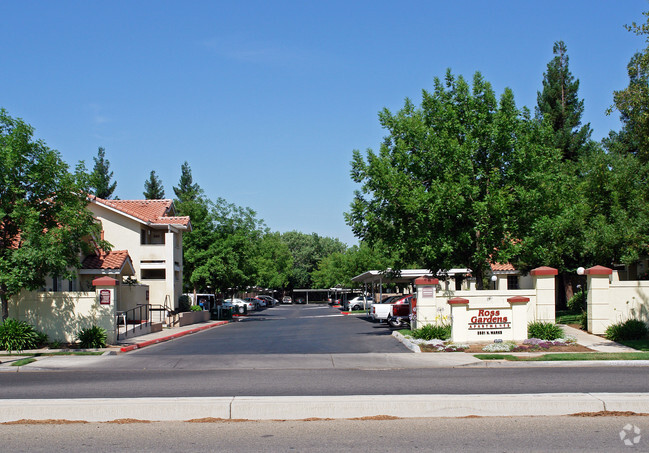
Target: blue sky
(266, 100)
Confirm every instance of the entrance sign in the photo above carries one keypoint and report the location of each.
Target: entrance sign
(104, 297)
(488, 320)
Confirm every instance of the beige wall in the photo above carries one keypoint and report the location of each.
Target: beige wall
(61, 315)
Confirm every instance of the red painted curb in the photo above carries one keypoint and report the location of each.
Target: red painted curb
(144, 344)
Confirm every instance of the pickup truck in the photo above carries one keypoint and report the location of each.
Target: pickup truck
(400, 314)
(393, 308)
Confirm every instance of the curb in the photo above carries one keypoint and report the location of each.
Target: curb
(144, 344)
(321, 407)
(407, 343)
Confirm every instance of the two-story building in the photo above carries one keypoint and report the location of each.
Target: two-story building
(152, 234)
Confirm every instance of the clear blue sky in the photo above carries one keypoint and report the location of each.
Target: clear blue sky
(267, 99)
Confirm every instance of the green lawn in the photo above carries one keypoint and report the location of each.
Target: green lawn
(641, 345)
(567, 317)
(568, 356)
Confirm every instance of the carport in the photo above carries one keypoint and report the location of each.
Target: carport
(374, 278)
(328, 291)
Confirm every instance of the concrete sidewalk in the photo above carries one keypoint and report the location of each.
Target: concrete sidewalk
(322, 407)
(594, 342)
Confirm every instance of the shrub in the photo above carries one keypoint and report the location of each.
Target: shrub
(195, 308)
(183, 303)
(577, 302)
(583, 321)
(92, 337)
(17, 336)
(631, 329)
(544, 331)
(430, 332)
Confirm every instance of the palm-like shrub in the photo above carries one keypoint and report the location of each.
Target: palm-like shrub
(92, 337)
(544, 331)
(17, 335)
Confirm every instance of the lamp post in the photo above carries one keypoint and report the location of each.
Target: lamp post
(494, 279)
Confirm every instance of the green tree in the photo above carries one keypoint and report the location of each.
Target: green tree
(273, 262)
(307, 250)
(456, 181)
(633, 102)
(43, 216)
(187, 190)
(559, 104)
(101, 176)
(153, 189)
(338, 268)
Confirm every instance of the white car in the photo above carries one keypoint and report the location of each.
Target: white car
(271, 302)
(238, 305)
(360, 303)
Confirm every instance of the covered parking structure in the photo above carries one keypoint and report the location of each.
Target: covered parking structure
(322, 294)
(404, 279)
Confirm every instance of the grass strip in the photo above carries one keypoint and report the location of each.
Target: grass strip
(22, 362)
(567, 356)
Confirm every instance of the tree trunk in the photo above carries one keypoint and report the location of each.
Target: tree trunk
(4, 300)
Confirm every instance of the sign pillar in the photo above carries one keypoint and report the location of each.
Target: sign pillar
(599, 309)
(106, 306)
(424, 312)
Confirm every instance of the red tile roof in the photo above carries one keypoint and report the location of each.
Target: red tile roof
(113, 260)
(155, 212)
(502, 267)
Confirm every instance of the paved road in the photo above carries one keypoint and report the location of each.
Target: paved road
(520, 434)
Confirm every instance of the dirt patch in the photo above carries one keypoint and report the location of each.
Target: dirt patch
(44, 422)
(609, 414)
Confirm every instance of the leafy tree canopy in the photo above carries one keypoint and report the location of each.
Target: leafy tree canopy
(455, 180)
(44, 220)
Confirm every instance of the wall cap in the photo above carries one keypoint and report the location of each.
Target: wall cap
(458, 301)
(544, 270)
(426, 280)
(518, 300)
(104, 281)
(599, 270)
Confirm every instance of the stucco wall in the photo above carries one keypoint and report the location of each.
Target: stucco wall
(61, 315)
(629, 299)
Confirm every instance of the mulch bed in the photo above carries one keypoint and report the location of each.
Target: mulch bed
(477, 349)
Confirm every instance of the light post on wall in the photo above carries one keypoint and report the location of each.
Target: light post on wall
(494, 279)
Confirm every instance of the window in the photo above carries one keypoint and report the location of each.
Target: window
(512, 282)
(153, 274)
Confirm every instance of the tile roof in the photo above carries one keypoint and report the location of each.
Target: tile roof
(150, 211)
(113, 260)
(502, 267)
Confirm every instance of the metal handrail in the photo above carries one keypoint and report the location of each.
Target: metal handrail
(144, 318)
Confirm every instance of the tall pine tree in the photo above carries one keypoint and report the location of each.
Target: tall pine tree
(101, 176)
(153, 189)
(560, 106)
(187, 190)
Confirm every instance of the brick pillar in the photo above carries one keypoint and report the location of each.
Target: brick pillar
(544, 280)
(599, 308)
(426, 308)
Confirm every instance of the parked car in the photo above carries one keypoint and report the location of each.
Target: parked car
(259, 303)
(300, 300)
(287, 300)
(360, 303)
(270, 301)
(239, 305)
